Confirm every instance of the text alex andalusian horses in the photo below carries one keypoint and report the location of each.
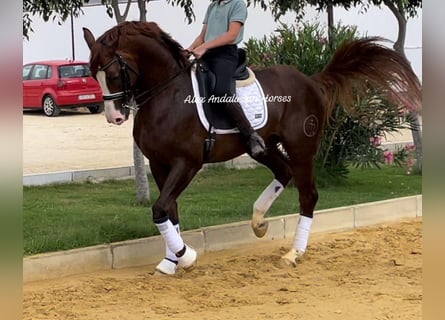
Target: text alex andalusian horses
(137, 61)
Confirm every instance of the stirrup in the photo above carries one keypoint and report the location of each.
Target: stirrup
(257, 145)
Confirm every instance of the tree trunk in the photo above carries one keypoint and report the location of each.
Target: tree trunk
(140, 171)
(399, 46)
(330, 11)
(117, 13)
(142, 10)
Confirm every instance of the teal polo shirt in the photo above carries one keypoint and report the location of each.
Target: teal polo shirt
(219, 16)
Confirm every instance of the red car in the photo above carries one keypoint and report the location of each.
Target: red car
(55, 84)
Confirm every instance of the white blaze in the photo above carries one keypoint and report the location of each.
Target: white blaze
(111, 113)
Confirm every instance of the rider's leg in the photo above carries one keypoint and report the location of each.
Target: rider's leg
(253, 140)
(223, 62)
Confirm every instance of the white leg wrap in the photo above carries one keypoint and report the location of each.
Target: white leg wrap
(188, 260)
(168, 253)
(302, 234)
(169, 263)
(172, 238)
(265, 200)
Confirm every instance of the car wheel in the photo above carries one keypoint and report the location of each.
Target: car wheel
(96, 109)
(50, 107)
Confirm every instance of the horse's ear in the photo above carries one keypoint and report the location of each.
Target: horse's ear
(89, 38)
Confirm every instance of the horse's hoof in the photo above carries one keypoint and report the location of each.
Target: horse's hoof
(292, 258)
(166, 267)
(191, 267)
(188, 260)
(260, 229)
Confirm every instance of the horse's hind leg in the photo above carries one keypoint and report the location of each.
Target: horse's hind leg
(279, 165)
(303, 172)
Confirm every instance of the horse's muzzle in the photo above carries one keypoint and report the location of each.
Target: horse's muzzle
(115, 116)
(118, 121)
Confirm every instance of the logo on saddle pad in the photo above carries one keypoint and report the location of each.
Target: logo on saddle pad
(248, 93)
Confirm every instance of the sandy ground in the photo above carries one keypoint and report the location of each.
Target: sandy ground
(78, 140)
(369, 273)
(75, 140)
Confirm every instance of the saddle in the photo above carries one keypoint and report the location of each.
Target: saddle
(206, 82)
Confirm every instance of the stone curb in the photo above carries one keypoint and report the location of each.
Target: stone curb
(96, 175)
(40, 179)
(150, 250)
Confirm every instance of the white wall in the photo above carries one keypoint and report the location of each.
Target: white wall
(52, 41)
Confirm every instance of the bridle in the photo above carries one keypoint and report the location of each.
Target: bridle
(128, 93)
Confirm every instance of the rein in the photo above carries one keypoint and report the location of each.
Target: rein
(128, 92)
(160, 86)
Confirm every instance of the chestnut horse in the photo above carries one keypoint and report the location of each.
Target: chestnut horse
(138, 63)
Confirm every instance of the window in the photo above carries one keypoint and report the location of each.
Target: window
(39, 72)
(74, 71)
(65, 72)
(26, 72)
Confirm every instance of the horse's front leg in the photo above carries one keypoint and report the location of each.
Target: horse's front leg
(169, 263)
(275, 161)
(165, 216)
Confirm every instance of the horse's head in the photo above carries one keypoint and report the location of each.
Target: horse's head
(116, 73)
(129, 57)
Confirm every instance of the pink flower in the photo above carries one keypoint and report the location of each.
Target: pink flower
(323, 40)
(409, 165)
(389, 157)
(266, 57)
(376, 141)
(410, 147)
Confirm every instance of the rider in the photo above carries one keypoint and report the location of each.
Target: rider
(222, 30)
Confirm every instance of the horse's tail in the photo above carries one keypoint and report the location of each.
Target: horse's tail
(360, 64)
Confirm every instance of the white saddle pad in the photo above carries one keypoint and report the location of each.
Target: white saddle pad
(251, 98)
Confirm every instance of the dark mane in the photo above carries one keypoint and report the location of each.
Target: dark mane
(149, 29)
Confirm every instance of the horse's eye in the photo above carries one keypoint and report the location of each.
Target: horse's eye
(113, 77)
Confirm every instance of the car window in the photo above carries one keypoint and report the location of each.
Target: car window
(65, 71)
(39, 72)
(26, 71)
(74, 71)
(81, 70)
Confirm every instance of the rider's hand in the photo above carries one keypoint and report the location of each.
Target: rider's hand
(199, 51)
(187, 53)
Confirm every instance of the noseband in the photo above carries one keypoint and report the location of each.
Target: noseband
(127, 95)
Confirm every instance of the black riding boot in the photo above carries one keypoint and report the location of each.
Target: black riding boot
(251, 137)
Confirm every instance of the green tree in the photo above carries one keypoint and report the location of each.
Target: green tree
(60, 10)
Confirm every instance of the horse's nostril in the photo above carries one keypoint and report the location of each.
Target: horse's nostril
(119, 120)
